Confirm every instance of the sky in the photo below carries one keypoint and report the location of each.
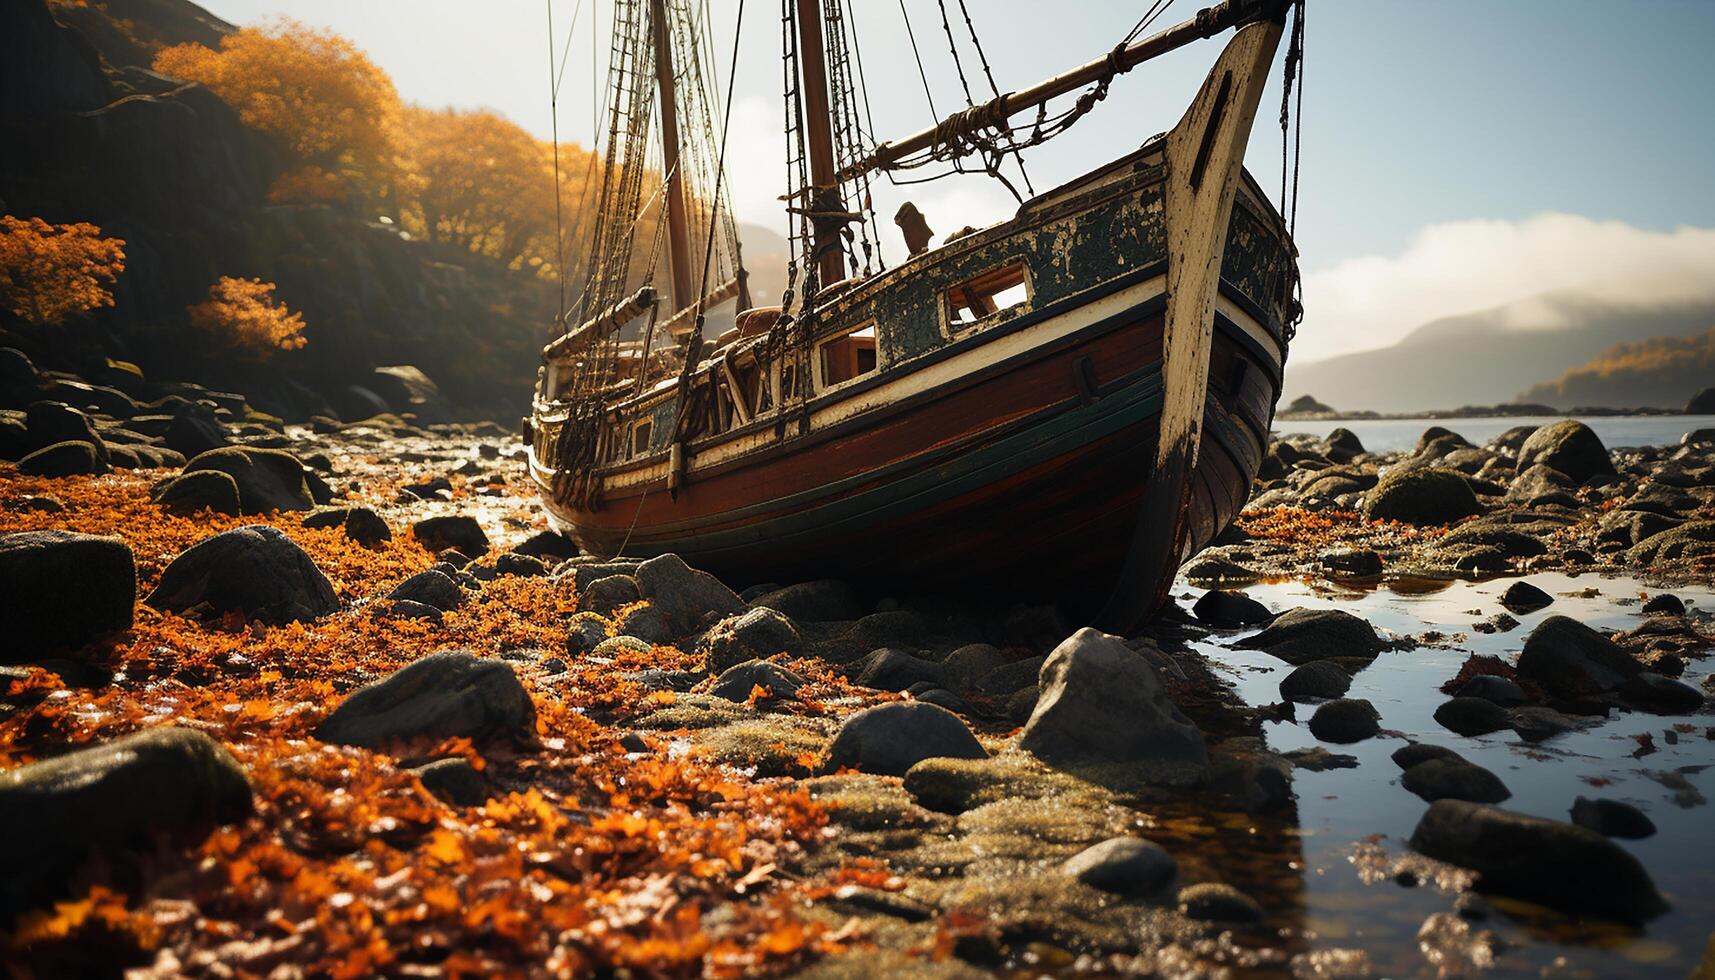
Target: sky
(1457, 155)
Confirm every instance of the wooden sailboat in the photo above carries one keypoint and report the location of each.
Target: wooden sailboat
(1063, 405)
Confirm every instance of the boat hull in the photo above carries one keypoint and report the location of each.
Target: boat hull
(1021, 479)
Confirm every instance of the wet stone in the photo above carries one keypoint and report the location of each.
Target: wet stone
(1224, 609)
(1419, 752)
(450, 694)
(1355, 563)
(1612, 818)
(1472, 716)
(1215, 902)
(1124, 866)
(1661, 695)
(1454, 779)
(1345, 720)
(1522, 597)
(1492, 687)
(1301, 635)
(1569, 659)
(1560, 865)
(1316, 679)
(1665, 602)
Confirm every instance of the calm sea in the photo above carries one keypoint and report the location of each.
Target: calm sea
(1392, 435)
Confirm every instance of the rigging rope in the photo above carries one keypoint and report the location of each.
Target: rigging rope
(554, 112)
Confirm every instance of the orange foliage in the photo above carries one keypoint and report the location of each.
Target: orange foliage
(309, 184)
(49, 272)
(243, 316)
(588, 860)
(313, 90)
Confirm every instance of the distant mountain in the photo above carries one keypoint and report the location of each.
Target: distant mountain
(1489, 357)
(1661, 372)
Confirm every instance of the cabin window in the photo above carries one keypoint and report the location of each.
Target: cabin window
(996, 291)
(849, 356)
(640, 436)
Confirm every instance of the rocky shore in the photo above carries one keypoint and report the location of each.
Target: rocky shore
(329, 698)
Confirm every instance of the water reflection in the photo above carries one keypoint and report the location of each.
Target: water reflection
(1352, 822)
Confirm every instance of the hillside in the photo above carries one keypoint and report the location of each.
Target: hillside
(88, 133)
(1661, 372)
(1488, 357)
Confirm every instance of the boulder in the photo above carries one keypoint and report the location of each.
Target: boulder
(1612, 818)
(1535, 723)
(255, 570)
(1454, 779)
(1342, 444)
(821, 601)
(1345, 720)
(1301, 635)
(1665, 602)
(1557, 864)
(755, 635)
(522, 566)
(64, 459)
(888, 669)
(1225, 609)
(1492, 687)
(120, 794)
(62, 589)
(49, 423)
(1009, 677)
(1352, 562)
(547, 546)
(450, 694)
(1522, 597)
(454, 780)
(1569, 660)
(193, 431)
(451, 531)
(431, 588)
(1702, 403)
(268, 479)
(1472, 716)
(1316, 679)
(689, 597)
(968, 664)
(604, 595)
(1534, 483)
(1421, 495)
(361, 524)
(1124, 866)
(1102, 703)
(1569, 446)
(189, 493)
(890, 738)
(735, 683)
(1684, 542)
(1661, 695)
(1417, 753)
(645, 622)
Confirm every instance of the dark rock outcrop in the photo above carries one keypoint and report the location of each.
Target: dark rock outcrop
(1102, 703)
(1560, 865)
(450, 694)
(1421, 495)
(1569, 446)
(268, 479)
(890, 738)
(62, 589)
(108, 797)
(255, 570)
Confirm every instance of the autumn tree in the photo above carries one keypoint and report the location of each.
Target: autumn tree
(243, 318)
(314, 91)
(49, 272)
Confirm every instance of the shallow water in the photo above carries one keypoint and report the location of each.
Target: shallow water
(1393, 435)
(1340, 808)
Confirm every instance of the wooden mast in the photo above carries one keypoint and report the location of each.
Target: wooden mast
(819, 135)
(678, 225)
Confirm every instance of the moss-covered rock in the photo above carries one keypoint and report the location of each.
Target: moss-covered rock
(1569, 446)
(1422, 496)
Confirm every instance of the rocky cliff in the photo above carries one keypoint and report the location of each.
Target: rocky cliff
(87, 133)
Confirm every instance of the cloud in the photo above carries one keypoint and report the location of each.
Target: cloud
(1466, 266)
